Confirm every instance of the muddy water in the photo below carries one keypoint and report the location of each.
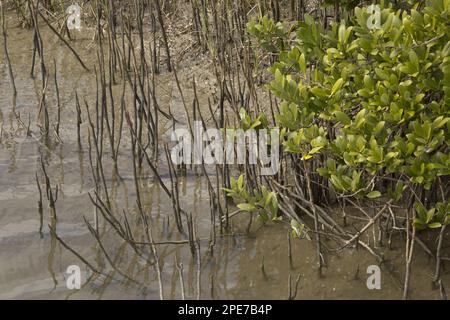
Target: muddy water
(245, 264)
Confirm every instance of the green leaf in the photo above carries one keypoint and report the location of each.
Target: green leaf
(302, 63)
(381, 74)
(421, 213)
(379, 127)
(419, 224)
(319, 92)
(414, 59)
(435, 225)
(315, 150)
(430, 214)
(374, 194)
(337, 182)
(341, 33)
(337, 86)
(360, 119)
(297, 228)
(240, 182)
(343, 118)
(247, 207)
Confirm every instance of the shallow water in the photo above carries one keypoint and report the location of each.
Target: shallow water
(32, 266)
